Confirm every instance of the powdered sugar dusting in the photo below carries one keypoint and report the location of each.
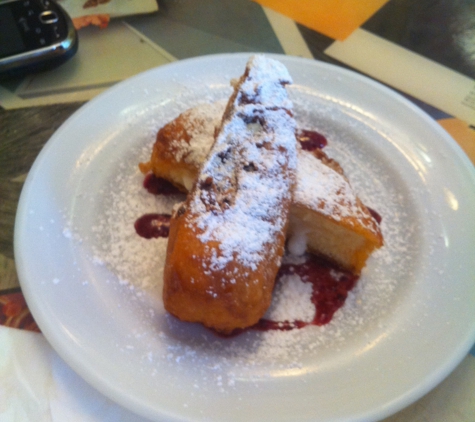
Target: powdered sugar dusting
(292, 301)
(242, 195)
(116, 241)
(206, 118)
(264, 83)
(369, 301)
(320, 187)
(160, 342)
(332, 195)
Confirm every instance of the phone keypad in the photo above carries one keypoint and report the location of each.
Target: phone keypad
(48, 16)
(40, 23)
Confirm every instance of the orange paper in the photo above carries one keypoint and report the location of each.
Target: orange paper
(98, 20)
(462, 133)
(336, 19)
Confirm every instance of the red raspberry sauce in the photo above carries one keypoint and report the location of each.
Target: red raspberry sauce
(311, 140)
(330, 287)
(153, 225)
(158, 186)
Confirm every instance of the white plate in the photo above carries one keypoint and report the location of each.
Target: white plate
(404, 328)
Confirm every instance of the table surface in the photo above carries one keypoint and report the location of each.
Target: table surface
(437, 32)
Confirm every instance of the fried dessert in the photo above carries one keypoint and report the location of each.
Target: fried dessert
(327, 218)
(227, 239)
(182, 145)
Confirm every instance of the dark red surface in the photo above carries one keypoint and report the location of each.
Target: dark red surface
(330, 287)
(311, 140)
(153, 225)
(158, 186)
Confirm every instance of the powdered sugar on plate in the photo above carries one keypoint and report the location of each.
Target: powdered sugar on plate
(292, 300)
(136, 264)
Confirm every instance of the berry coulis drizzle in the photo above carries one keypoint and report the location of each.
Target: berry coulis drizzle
(159, 186)
(330, 285)
(153, 225)
(311, 140)
(376, 215)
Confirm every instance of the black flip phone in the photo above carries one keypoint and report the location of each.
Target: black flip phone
(35, 35)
